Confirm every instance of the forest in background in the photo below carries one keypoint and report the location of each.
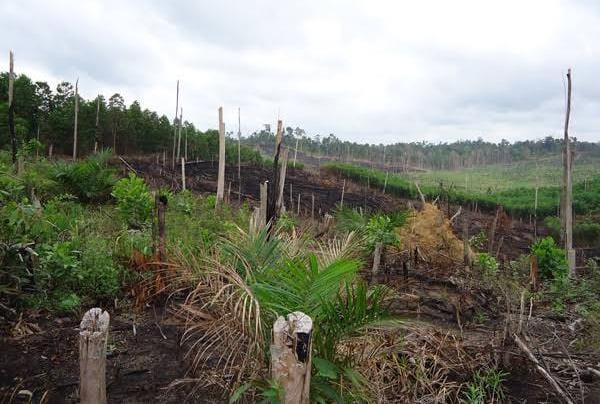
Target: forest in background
(47, 114)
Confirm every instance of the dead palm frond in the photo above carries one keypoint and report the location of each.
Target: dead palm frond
(349, 247)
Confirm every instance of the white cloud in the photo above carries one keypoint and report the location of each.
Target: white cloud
(371, 71)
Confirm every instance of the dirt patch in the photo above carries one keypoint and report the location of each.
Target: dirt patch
(140, 367)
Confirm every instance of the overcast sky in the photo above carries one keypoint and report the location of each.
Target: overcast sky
(368, 71)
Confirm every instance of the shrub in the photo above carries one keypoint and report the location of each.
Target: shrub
(134, 201)
(487, 263)
(89, 180)
(552, 261)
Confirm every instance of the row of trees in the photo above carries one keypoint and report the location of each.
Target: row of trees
(423, 155)
(48, 115)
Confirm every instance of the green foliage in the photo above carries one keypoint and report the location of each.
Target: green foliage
(381, 229)
(485, 387)
(487, 264)
(286, 223)
(516, 200)
(552, 261)
(90, 180)
(134, 201)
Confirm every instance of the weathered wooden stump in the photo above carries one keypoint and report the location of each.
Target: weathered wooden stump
(291, 356)
(93, 336)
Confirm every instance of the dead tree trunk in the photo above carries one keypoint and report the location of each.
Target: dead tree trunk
(567, 185)
(183, 174)
(179, 134)
(312, 207)
(96, 133)
(11, 108)
(291, 356)
(76, 117)
(239, 157)
(377, 258)
(343, 191)
(274, 184)
(93, 336)
(160, 250)
(264, 201)
(175, 127)
(465, 236)
(221, 176)
(385, 182)
(280, 207)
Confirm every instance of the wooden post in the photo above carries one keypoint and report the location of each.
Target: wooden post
(343, 190)
(50, 150)
(179, 134)
(11, 108)
(263, 203)
(296, 152)
(280, 205)
(298, 209)
(76, 116)
(465, 235)
(93, 337)
(291, 199)
(185, 154)
(221, 177)
(160, 202)
(312, 207)
(291, 356)
(567, 185)
(96, 134)
(385, 182)
(376, 257)
(239, 157)
(534, 278)
(492, 234)
(183, 174)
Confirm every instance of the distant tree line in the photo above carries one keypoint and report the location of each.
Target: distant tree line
(422, 155)
(47, 115)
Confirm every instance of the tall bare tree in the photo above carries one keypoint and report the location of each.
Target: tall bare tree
(75, 124)
(175, 126)
(11, 108)
(567, 187)
(239, 156)
(221, 177)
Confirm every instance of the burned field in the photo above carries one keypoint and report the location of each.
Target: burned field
(460, 332)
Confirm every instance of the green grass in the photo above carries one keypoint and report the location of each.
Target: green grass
(517, 197)
(501, 177)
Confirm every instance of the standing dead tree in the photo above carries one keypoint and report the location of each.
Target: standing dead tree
(567, 188)
(239, 156)
(280, 207)
(76, 117)
(221, 176)
(93, 337)
(179, 134)
(11, 108)
(175, 127)
(274, 183)
(96, 133)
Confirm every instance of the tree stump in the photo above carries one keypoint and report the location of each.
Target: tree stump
(93, 336)
(291, 356)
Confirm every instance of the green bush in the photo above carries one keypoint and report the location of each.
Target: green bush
(552, 261)
(487, 263)
(90, 180)
(134, 201)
